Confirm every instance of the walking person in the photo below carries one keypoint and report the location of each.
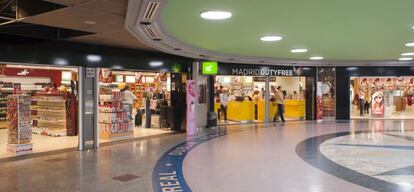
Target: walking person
(367, 98)
(223, 103)
(256, 99)
(361, 103)
(129, 99)
(280, 101)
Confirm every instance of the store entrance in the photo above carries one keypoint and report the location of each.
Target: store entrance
(135, 104)
(241, 99)
(38, 109)
(381, 97)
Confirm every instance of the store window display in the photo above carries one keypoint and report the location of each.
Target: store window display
(133, 104)
(383, 97)
(38, 105)
(246, 98)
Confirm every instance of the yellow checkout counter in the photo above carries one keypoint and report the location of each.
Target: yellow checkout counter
(244, 111)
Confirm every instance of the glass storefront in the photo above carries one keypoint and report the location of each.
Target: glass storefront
(381, 97)
(38, 109)
(134, 104)
(245, 98)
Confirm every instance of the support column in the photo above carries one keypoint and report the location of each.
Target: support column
(88, 108)
(267, 100)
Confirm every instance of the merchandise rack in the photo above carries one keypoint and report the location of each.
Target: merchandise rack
(115, 122)
(49, 115)
(18, 123)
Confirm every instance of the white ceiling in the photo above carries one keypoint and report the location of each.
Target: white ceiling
(108, 15)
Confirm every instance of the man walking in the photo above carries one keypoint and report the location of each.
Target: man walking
(280, 101)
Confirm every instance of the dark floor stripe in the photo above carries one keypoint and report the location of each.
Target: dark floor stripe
(309, 151)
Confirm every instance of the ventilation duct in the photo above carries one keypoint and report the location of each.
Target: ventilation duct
(151, 10)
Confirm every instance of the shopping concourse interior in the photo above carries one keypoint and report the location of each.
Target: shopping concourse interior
(206, 95)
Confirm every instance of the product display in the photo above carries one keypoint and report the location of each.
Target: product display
(115, 119)
(3, 111)
(49, 115)
(18, 123)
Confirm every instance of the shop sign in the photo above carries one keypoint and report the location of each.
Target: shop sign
(262, 72)
(24, 72)
(209, 68)
(191, 107)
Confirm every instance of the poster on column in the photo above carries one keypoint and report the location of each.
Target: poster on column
(378, 104)
(191, 107)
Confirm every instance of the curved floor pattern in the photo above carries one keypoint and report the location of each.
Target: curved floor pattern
(287, 157)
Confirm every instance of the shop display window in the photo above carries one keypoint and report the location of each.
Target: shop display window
(37, 109)
(244, 98)
(381, 97)
(133, 104)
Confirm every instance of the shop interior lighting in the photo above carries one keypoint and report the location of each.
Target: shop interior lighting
(410, 44)
(407, 54)
(405, 59)
(271, 38)
(215, 15)
(316, 58)
(94, 58)
(299, 50)
(61, 61)
(156, 63)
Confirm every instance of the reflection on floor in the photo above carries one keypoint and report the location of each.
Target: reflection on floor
(408, 113)
(40, 143)
(249, 157)
(43, 143)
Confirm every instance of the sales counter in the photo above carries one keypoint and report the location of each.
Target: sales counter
(245, 110)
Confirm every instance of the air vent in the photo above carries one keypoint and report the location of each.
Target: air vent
(151, 10)
(151, 33)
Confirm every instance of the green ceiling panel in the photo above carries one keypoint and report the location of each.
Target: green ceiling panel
(334, 29)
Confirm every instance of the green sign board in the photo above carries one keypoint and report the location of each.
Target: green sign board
(209, 68)
(176, 68)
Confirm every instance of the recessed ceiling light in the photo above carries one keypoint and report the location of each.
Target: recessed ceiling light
(271, 38)
(405, 59)
(90, 22)
(215, 15)
(299, 50)
(407, 54)
(316, 58)
(410, 44)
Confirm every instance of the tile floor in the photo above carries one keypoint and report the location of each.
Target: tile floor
(43, 143)
(254, 157)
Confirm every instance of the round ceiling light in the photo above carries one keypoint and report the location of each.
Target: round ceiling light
(407, 54)
(405, 59)
(215, 15)
(271, 38)
(410, 44)
(299, 50)
(316, 58)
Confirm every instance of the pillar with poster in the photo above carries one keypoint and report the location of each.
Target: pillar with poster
(191, 109)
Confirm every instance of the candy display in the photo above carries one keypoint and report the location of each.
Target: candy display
(18, 123)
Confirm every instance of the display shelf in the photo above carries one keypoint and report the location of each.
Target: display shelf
(49, 132)
(49, 115)
(114, 116)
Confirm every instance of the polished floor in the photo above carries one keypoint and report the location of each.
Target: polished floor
(357, 156)
(43, 143)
